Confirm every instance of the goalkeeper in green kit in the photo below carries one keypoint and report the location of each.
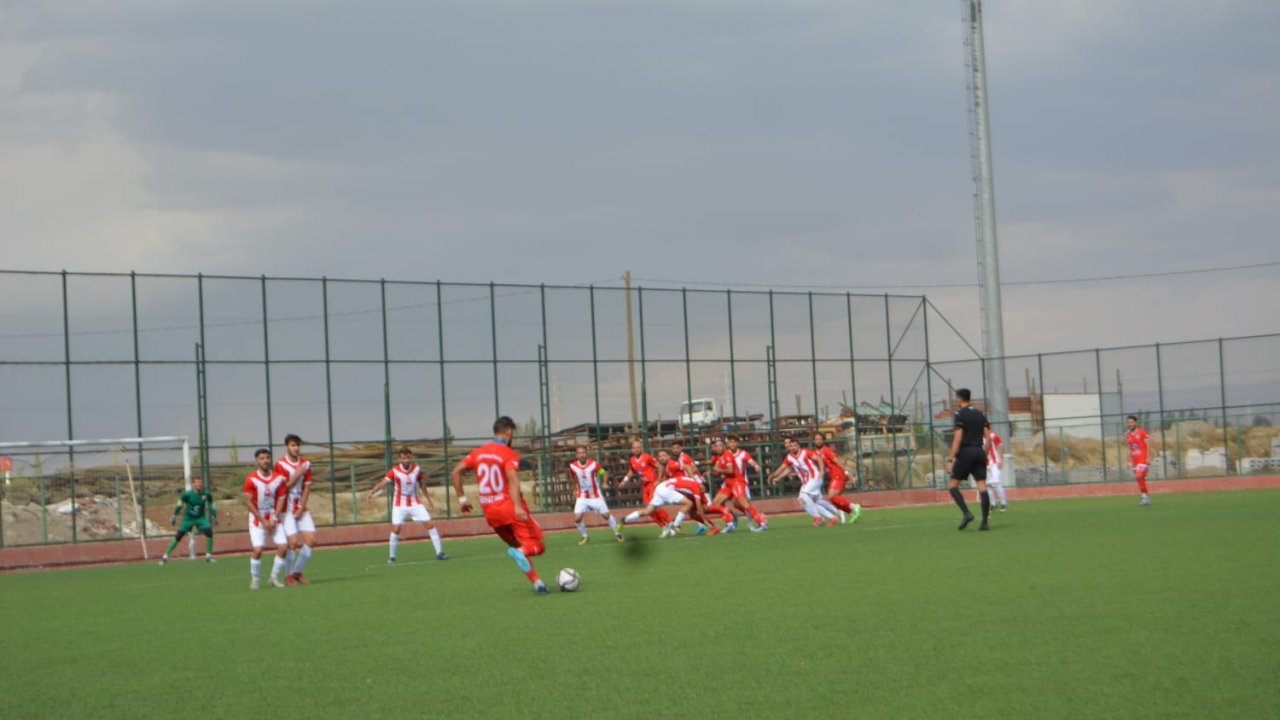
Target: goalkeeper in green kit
(198, 510)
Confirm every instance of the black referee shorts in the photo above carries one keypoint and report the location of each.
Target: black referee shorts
(970, 461)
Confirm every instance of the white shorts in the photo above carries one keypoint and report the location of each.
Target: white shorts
(993, 475)
(666, 495)
(413, 513)
(294, 525)
(813, 488)
(258, 535)
(582, 506)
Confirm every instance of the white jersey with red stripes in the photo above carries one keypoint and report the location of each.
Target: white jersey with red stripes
(406, 479)
(586, 474)
(994, 445)
(299, 470)
(264, 489)
(805, 464)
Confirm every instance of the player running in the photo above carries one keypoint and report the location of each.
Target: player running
(264, 496)
(995, 464)
(496, 466)
(299, 528)
(587, 473)
(407, 478)
(808, 467)
(849, 512)
(731, 464)
(197, 508)
(644, 465)
(1137, 440)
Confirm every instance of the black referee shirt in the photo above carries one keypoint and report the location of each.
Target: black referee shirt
(971, 420)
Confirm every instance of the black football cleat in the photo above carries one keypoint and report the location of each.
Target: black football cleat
(968, 518)
(984, 526)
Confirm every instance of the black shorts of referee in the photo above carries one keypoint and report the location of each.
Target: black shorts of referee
(970, 461)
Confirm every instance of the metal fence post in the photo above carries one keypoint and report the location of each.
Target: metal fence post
(813, 364)
(71, 453)
(137, 398)
(386, 378)
(853, 384)
(1164, 447)
(444, 412)
(493, 339)
(595, 363)
(1102, 415)
(644, 373)
(1222, 388)
(893, 401)
(266, 360)
(733, 364)
(328, 401)
(688, 370)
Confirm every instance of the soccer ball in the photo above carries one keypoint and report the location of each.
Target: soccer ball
(568, 580)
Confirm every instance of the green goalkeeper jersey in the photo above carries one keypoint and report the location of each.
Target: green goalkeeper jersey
(196, 505)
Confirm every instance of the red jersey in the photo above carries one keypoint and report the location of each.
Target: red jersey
(688, 487)
(491, 462)
(299, 470)
(1137, 439)
(646, 467)
(674, 469)
(406, 480)
(586, 473)
(834, 470)
(995, 449)
(805, 464)
(265, 489)
(724, 463)
(686, 460)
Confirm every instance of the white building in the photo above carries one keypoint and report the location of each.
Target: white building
(1080, 414)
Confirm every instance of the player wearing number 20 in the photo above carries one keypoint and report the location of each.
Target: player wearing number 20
(496, 466)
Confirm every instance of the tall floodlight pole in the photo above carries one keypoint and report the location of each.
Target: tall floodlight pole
(985, 221)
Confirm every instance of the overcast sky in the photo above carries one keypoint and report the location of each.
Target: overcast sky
(739, 143)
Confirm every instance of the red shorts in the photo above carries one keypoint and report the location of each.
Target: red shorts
(520, 532)
(733, 488)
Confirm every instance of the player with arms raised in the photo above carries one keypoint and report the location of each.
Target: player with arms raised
(264, 496)
(496, 466)
(197, 508)
(1138, 439)
(407, 478)
(587, 474)
(299, 528)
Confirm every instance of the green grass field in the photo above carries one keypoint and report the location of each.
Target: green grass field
(1075, 609)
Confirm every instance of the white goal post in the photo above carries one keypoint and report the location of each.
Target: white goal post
(123, 445)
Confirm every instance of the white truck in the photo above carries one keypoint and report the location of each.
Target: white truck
(699, 412)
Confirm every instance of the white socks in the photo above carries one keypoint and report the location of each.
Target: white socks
(435, 540)
(255, 567)
(290, 557)
(301, 561)
(680, 516)
(829, 511)
(613, 525)
(582, 528)
(276, 566)
(395, 540)
(634, 516)
(1003, 498)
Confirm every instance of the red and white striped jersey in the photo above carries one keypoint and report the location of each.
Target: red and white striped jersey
(994, 444)
(406, 480)
(299, 470)
(264, 489)
(740, 460)
(586, 473)
(805, 464)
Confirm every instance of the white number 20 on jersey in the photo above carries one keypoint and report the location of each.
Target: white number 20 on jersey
(491, 479)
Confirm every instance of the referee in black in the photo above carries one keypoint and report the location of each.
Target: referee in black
(967, 458)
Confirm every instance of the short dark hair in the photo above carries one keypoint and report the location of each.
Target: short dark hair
(1133, 418)
(820, 434)
(731, 437)
(986, 423)
(292, 438)
(503, 424)
(576, 448)
(404, 450)
(261, 451)
(963, 394)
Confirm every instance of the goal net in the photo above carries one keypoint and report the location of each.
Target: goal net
(72, 491)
